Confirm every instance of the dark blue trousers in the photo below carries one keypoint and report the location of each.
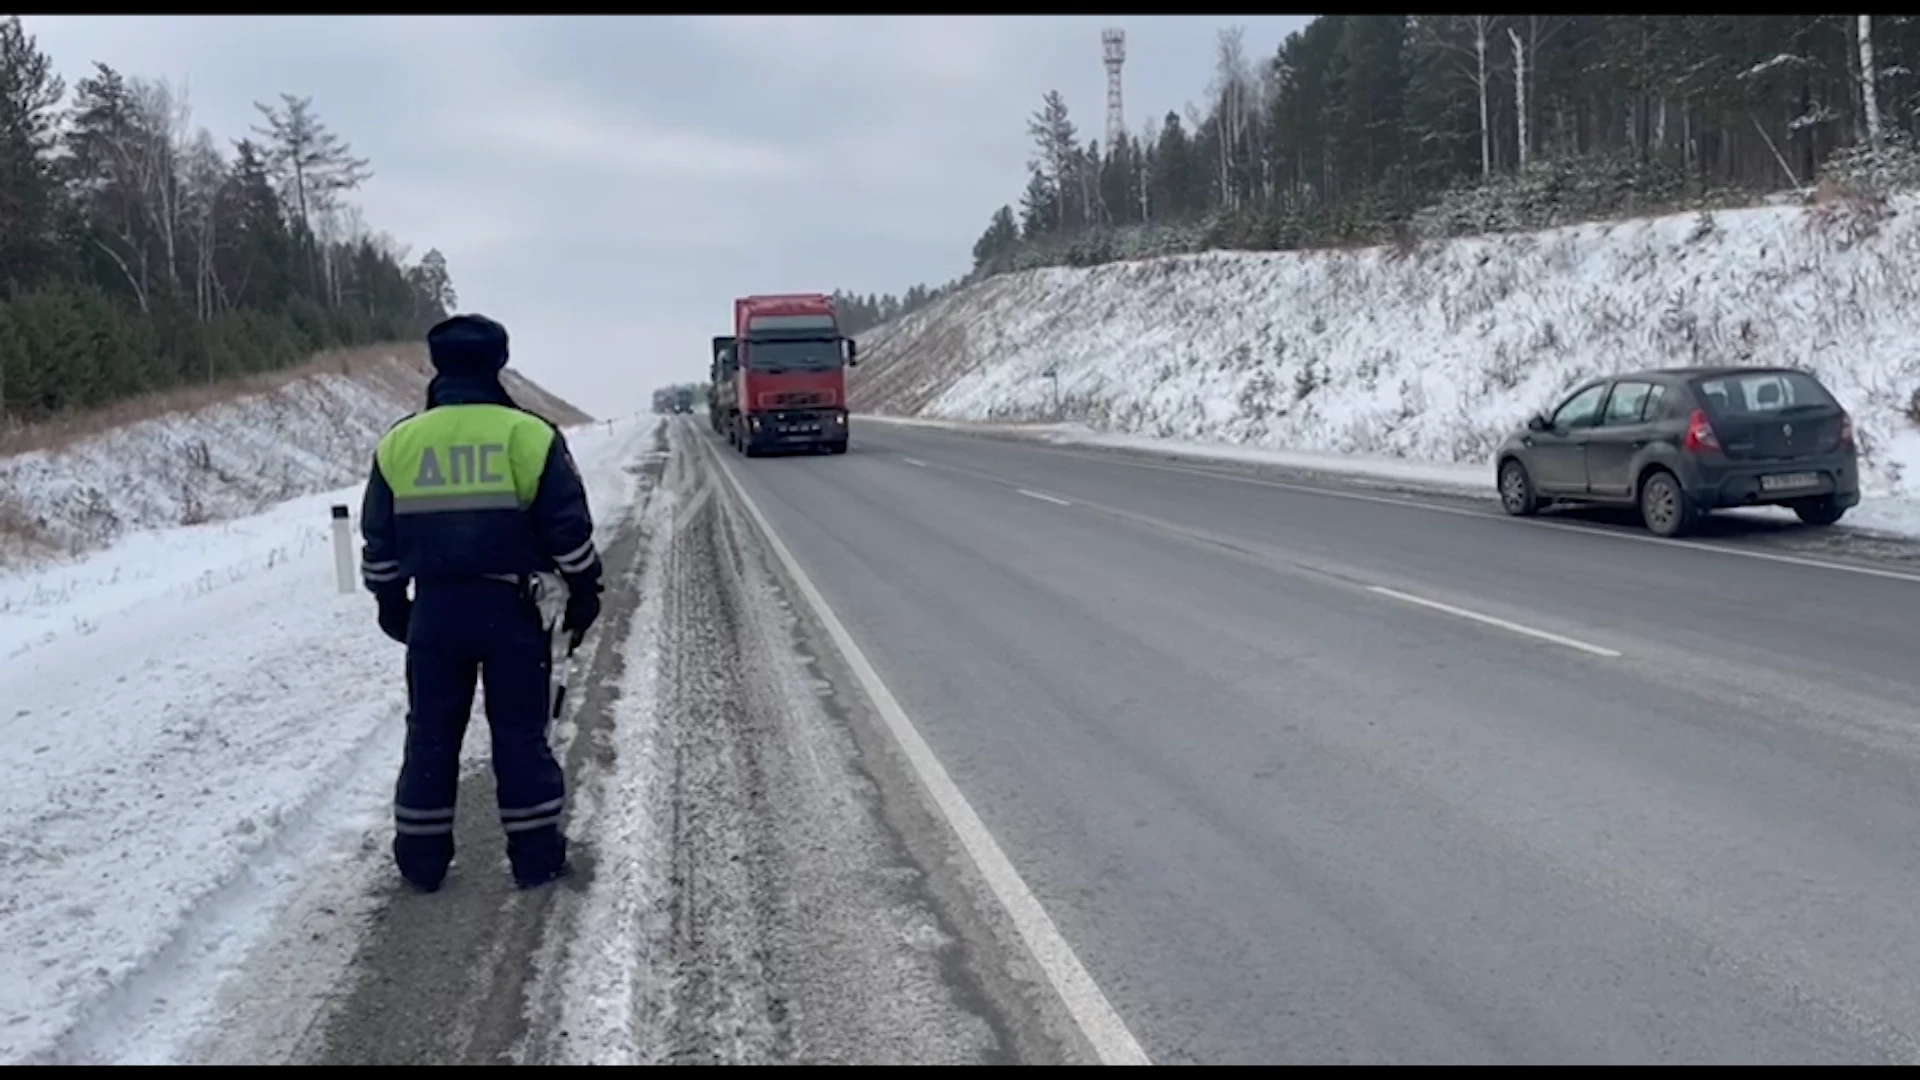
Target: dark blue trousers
(489, 629)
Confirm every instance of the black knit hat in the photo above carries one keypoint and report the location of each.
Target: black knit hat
(468, 345)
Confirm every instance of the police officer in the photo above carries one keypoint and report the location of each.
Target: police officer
(468, 500)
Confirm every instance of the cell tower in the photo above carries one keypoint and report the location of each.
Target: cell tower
(1113, 46)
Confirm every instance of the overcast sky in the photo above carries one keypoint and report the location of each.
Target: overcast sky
(605, 186)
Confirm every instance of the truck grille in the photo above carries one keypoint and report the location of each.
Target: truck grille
(799, 399)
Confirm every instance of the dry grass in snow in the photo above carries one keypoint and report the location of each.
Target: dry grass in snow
(212, 453)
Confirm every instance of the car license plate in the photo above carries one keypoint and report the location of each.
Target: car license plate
(1783, 481)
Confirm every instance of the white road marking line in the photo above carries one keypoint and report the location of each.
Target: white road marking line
(1085, 1002)
(1571, 643)
(915, 462)
(1043, 497)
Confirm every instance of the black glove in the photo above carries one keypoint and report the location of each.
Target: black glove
(583, 607)
(396, 611)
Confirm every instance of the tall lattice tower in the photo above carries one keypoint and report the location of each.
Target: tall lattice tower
(1113, 46)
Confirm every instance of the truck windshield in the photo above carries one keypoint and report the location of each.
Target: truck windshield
(793, 355)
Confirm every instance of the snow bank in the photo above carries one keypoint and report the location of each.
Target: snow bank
(1429, 355)
(227, 457)
(199, 724)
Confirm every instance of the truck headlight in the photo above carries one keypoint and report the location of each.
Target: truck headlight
(840, 418)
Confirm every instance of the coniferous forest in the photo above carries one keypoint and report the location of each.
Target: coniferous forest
(137, 253)
(1369, 129)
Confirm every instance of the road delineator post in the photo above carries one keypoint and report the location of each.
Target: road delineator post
(342, 550)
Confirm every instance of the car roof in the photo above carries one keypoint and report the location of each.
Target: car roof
(1712, 372)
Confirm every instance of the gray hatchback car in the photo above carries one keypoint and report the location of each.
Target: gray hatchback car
(1681, 442)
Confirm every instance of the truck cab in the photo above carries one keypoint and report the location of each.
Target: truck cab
(788, 384)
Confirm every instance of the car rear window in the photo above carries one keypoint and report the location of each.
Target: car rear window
(1762, 392)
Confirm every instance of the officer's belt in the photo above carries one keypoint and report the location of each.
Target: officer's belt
(518, 580)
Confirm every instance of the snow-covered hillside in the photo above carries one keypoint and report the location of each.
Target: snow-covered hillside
(212, 455)
(1431, 354)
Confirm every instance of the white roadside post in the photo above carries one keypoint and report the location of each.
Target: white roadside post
(342, 550)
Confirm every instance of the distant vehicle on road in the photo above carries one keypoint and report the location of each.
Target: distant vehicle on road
(1679, 443)
(683, 400)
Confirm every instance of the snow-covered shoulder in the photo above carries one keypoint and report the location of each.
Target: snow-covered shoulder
(199, 720)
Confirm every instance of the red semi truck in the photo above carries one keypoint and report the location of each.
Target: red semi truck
(780, 382)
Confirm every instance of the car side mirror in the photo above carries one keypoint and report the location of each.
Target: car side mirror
(1538, 423)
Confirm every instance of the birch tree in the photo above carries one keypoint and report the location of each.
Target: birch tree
(1231, 92)
(1519, 94)
(153, 154)
(1478, 29)
(1869, 77)
(204, 181)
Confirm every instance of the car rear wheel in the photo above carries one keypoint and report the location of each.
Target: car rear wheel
(1665, 507)
(1819, 511)
(1516, 489)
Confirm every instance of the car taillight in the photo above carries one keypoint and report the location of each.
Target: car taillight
(1846, 430)
(1700, 436)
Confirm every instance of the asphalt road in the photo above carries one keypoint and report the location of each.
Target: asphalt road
(1306, 777)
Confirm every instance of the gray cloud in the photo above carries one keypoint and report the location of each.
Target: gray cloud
(606, 186)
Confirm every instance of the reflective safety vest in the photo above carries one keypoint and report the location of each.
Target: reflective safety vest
(464, 458)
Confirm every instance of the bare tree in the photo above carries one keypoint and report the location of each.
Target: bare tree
(203, 180)
(1540, 30)
(390, 248)
(1869, 92)
(1149, 138)
(1478, 28)
(315, 165)
(330, 232)
(153, 153)
(1231, 89)
(1519, 91)
(433, 283)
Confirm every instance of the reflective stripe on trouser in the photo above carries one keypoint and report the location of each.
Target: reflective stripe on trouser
(462, 631)
(408, 821)
(526, 819)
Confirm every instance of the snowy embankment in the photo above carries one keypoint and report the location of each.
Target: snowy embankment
(199, 725)
(1423, 360)
(211, 454)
